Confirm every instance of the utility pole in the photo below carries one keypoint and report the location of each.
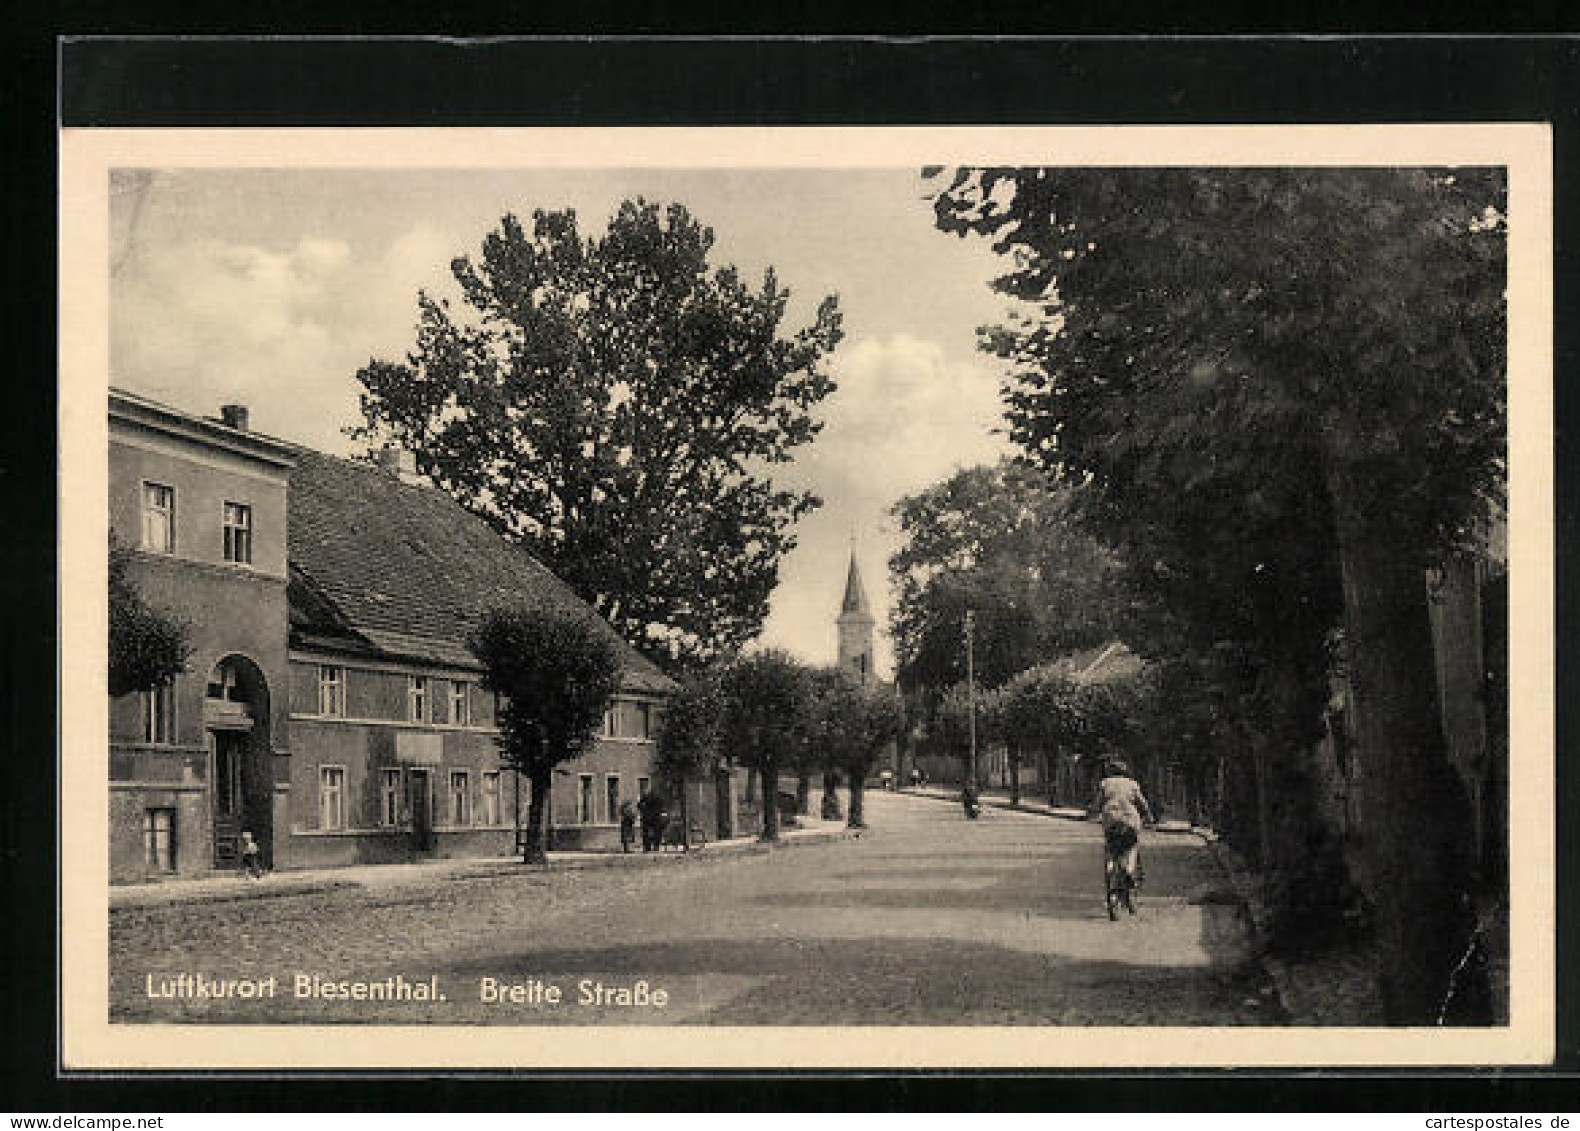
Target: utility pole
(971, 701)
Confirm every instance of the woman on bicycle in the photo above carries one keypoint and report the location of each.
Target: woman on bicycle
(1122, 808)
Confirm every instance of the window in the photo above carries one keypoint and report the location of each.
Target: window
(461, 703)
(642, 786)
(629, 719)
(491, 798)
(238, 533)
(159, 840)
(584, 801)
(331, 689)
(225, 684)
(159, 518)
(611, 787)
(331, 797)
(460, 798)
(159, 714)
(417, 698)
(389, 800)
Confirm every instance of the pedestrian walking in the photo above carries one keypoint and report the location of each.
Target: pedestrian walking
(251, 857)
(652, 809)
(627, 825)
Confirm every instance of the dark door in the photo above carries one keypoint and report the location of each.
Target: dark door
(230, 750)
(421, 803)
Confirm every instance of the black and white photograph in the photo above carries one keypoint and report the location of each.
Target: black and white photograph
(728, 597)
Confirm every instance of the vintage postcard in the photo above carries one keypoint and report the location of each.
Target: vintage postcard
(807, 598)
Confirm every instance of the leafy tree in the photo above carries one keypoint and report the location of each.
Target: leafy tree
(688, 740)
(879, 719)
(827, 721)
(148, 647)
(1035, 717)
(765, 698)
(1003, 543)
(614, 403)
(951, 725)
(1272, 379)
(556, 674)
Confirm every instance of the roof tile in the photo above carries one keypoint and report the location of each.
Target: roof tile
(387, 566)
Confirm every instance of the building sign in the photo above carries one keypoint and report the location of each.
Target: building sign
(418, 748)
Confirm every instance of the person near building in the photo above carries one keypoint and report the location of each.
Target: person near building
(627, 825)
(251, 856)
(654, 816)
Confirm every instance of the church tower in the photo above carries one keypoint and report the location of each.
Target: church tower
(855, 627)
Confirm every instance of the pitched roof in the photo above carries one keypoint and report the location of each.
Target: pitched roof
(1109, 663)
(382, 566)
(855, 593)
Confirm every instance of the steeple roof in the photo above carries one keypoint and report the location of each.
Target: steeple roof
(855, 593)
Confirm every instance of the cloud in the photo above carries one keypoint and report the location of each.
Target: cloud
(907, 414)
(208, 321)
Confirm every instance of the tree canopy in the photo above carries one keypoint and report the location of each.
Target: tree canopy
(1001, 542)
(617, 405)
(148, 647)
(688, 737)
(556, 674)
(765, 699)
(1282, 393)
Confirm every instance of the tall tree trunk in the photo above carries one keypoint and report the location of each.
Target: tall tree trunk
(1014, 776)
(678, 789)
(1302, 849)
(723, 808)
(858, 788)
(803, 793)
(831, 810)
(770, 780)
(533, 850)
(1264, 803)
(1417, 811)
(751, 784)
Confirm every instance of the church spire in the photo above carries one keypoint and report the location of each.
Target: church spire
(855, 623)
(855, 593)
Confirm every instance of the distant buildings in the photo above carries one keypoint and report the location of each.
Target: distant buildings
(331, 706)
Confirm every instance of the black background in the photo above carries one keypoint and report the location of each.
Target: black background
(696, 81)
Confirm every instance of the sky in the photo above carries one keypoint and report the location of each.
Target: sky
(271, 288)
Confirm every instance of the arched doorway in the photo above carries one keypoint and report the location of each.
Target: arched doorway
(241, 776)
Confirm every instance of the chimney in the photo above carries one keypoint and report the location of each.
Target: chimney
(402, 464)
(234, 416)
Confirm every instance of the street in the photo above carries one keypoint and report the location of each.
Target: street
(925, 919)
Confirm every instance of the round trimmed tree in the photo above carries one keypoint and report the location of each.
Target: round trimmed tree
(556, 674)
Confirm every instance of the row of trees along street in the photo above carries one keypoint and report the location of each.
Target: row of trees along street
(1255, 411)
(556, 673)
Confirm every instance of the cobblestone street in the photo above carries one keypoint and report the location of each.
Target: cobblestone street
(925, 919)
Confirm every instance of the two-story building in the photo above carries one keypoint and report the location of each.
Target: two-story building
(202, 505)
(331, 705)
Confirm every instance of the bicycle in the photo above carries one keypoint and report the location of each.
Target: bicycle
(1119, 883)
